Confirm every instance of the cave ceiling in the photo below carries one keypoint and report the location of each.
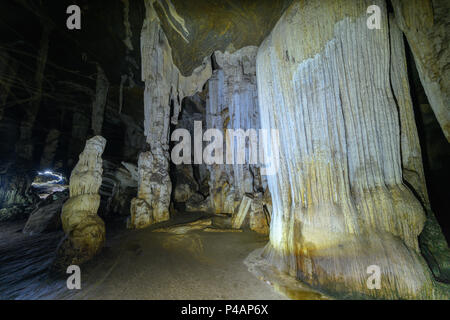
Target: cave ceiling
(197, 28)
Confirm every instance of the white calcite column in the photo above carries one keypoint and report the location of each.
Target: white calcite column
(165, 88)
(339, 202)
(232, 103)
(85, 230)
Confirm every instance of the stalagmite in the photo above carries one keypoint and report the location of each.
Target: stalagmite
(425, 24)
(85, 230)
(152, 203)
(238, 218)
(339, 203)
(165, 88)
(259, 219)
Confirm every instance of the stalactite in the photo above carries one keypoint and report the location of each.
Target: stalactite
(99, 103)
(51, 144)
(79, 132)
(25, 146)
(8, 72)
(425, 24)
(165, 88)
(84, 228)
(339, 203)
(127, 25)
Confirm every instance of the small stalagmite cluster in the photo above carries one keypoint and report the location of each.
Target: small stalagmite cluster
(84, 229)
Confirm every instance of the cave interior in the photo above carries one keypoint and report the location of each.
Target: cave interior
(115, 154)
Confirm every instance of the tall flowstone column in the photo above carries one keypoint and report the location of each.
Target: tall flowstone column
(232, 103)
(85, 230)
(165, 88)
(340, 207)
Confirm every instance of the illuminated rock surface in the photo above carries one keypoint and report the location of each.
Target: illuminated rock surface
(165, 88)
(232, 103)
(425, 24)
(85, 230)
(362, 116)
(339, 203)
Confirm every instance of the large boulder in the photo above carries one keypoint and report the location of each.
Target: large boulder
(46, 217)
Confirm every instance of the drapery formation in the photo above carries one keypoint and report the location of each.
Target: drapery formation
(165, 88)
(339, 201)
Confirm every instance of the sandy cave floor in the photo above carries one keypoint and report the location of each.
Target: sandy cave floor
(141, 264)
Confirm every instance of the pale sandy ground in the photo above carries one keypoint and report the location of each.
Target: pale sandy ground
(142, 264)
(197, 265)
(137, 265)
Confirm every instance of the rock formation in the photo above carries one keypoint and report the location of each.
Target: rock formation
(425, 24)
(51, 145)
(99, 103)
(232, 103)
(165, 88)
(85, 230)
(154, 187)
(434, 246)
(339, 202)
(357, 113)
(47, 217)
(16, 197)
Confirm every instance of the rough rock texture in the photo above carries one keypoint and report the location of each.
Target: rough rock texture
(339, 203)
(99, 103)
(186, 185)
(259, 220)
(196, 29)
(239, 216)
(16, 196)
(84, 228)
(251, 214)
(51, 144)
(154, 188)
(47, 217)
(191, 180)
(426, 24)
(232, 103)
(25, 147)
(165, 88)
(433, 244)
(119, 187)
